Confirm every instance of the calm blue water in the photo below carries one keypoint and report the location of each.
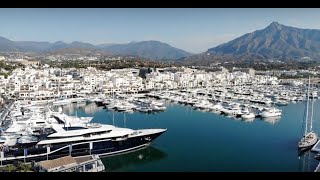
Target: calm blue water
(205, 141)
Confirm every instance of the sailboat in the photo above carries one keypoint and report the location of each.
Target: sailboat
(309, 138)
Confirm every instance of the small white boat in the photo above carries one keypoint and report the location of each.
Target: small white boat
(61, 102)
(248, 116)
(272, 112)
(281, 103)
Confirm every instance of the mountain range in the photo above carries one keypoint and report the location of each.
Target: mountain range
(153, 50)
(275, 41)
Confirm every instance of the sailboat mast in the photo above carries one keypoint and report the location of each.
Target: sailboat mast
(307, 108)
(311, 113)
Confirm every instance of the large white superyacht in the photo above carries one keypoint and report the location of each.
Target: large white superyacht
(61, 135)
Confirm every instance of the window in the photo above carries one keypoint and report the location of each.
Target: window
(88, 166)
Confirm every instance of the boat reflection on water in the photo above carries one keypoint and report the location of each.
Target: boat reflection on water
(307, 162)
(272, 120)
(139, 157)
(248, 120)
(91, 108)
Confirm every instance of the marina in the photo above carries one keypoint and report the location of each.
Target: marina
(214, 118)
(220, 125)
(210, 142)
(161, 90)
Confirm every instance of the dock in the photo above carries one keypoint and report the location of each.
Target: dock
(316, 147)
(318, 168)
(91, 163)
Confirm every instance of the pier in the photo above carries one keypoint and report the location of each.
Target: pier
(90, 163)
(318, 168)
(316, 148)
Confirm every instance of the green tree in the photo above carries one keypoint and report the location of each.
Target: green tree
(10, 168)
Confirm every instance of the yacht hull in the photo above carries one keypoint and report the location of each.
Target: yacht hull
(103, 147)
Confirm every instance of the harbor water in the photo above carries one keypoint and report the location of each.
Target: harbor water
(206, 141)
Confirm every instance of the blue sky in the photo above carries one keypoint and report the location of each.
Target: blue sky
(193, 30)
